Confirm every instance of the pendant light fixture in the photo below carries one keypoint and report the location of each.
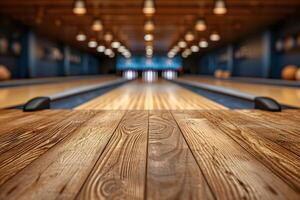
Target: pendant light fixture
(148, 37)
(79, 7)
(97, 25)
(203, 43)
(149, 8)
(115, 44)
(80, 37)
(220, 7)
(189, 36)
(201, 25)
(108, 37)
(101, 48)
(149, 25)
(182, 44)
(214, 37)
(195, 48)
(92, 43)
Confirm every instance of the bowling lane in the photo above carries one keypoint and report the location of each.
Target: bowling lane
(14, 96)
(161, 95)
(285, 95)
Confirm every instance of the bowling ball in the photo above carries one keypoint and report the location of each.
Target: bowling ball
(298, 75)
(226, 74)
(289, 72)
(4, 73)
(218, 73)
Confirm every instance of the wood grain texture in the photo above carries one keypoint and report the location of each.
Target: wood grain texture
(161, 95)
(20, 128)
(285, 95)
(14, 96)
(281, 128)
(60, 172)
(230, 170)
(172, 171)
(120, 171)
(262, 142)
(19, 148)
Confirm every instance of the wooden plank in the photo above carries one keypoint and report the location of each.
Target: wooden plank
(172, 172)
(35, 139)
(19, 126)
(263, 141)
(120, 171)
(230, 170)
(287, 118)
(161, 95)
(59, 173)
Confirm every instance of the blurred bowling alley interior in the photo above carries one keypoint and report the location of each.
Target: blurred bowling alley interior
(136, 39)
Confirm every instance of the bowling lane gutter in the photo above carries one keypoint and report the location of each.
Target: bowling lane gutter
(39, 81)
(70, 98)
(233, 93)
(274, 82)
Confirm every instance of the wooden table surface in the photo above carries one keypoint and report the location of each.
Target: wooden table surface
(160, 95)
(213, 154)
(14, 96)
(285, 95)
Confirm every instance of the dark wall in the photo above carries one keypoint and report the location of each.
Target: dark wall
(256, 55)
(12, 40)
(43, 57)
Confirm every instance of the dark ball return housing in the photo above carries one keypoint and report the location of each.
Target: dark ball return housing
(36, 104)
(266, 103)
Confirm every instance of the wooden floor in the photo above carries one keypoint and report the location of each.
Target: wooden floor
(285, 95)
(161, 95)
(216, 154)
(14, 96)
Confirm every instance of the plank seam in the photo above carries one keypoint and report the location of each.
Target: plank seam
(92, 169)
(210, 188)
(147, 153)
(256, 157)
(62, 140)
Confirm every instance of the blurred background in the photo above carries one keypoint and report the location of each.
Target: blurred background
(221, 38)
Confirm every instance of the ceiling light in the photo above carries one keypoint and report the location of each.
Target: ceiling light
(80, 37)
(149, 25)
(115, 44)
(176, 48)
(108, 37)
(101, 48)
(149, 52)
(127, 54)
(200, 25)
(121, 49)
(194, 48)
(97, 25)
(220, 7)
(149, 8)
(149, 47)
(188, 51)
(108, 52)
(79, 7)
(182, 44)
(148, 37)
(203, 43)
(189, 36)
(171, 54)
(112, 55)
(215, 37)
(92, 43)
